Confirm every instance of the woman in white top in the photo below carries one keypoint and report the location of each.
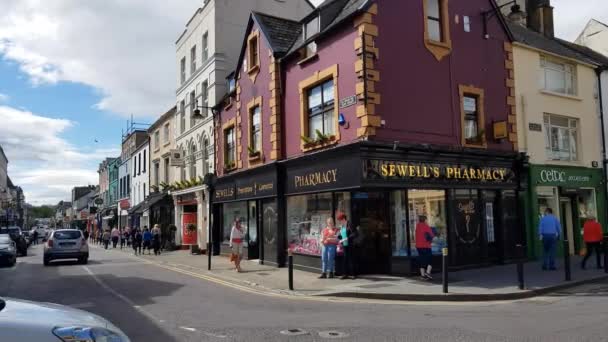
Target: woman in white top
(236, 242)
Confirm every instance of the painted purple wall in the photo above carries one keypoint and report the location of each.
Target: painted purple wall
(420, 96)
(338, 48)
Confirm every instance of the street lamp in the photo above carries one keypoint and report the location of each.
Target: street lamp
(197, 112)
(487, 15)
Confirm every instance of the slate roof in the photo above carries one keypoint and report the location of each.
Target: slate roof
(556, 46)
(280, 32)
(597, 57)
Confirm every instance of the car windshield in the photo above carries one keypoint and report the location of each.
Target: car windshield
(67, 235)
(9, 230)
(4, 240)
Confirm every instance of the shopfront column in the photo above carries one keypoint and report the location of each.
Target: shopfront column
(201, 215)
(178, 222)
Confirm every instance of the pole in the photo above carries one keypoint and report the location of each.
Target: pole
(520, 266)
(567, 260)
(290, 268)
(605, 248)
(209, 228)
(444, 269)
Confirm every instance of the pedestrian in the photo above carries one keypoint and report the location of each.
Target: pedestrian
(35, 237)
(329, 241)
(156, 239)
(86, 235)
(115, 237)
(549, 230)
(106, 238)
(137, 240)
(124, 237)
(147, 239)
(424, 239)
(592, 235)
(347, 239)
(236, 243)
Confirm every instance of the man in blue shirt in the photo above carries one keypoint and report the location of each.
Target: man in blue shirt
(549, 230)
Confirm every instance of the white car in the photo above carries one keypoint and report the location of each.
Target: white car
(66, 244)
(26, 321)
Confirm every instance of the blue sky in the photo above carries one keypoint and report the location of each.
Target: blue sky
(73, 71)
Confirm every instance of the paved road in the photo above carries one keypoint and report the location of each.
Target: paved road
(155, 304)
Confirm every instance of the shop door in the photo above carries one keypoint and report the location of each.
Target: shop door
(373, 246)
(269, 231)
(567, 221)
(252, 231)
(467, 238)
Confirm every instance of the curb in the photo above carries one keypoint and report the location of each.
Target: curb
(465, 297)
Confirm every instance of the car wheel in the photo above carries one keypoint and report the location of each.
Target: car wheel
(12, 264)
(24, 253)
(46, 261)
(84, 261)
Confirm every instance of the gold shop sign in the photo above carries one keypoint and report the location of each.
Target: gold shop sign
(316, 178)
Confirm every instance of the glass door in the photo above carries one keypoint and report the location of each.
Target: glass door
(373, 248)
(269, 238)
(252, 231)
(467, 238)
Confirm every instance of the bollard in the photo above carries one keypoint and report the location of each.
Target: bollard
(520, 266)
(605, 248)
(290, 270)
(567, 260)
(209, 256)
(444, 269)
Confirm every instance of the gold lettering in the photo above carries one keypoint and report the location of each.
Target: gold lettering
(334, 172)
(436, 172)
(472, 173)
(495, 174)
(384, 170)
(411, 170)
(502, 174)
(391, 170)
(457, 173)
(479, 174)
(401, 170)
(427, 174)
(465, 174)
(449, 172)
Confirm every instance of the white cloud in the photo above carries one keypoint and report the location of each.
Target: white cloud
(41, 161)
(124, 49)
(572, 16)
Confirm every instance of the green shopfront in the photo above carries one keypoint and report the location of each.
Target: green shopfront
(574, 194)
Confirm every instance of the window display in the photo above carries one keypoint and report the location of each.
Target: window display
(547, 198)
(231, 212)
(399, 223)
(430, 203)
(306, 217)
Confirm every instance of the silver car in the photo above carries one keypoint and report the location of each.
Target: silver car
(66, 244)
(8, 250)
(26, 321)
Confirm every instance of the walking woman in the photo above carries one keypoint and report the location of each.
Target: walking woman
(115, 237)
(106, 239)
(424, 239)
(156, 239)
(329, 241)
(592, 234)
(236, 243)
(347, 239)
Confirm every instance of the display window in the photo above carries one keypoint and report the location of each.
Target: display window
(306, 217)
(432, 204)
(547, 198)
(230, 213)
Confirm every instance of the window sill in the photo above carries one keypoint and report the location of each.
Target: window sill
(308, 59)
(167, 143)
(254, 69)
(317, 146)
(156, 150)
(229, 169)
(480, 145)
(256, 158)
(228, 106)
(565, 96)
(445, 45)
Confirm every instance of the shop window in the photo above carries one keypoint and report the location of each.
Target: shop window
(437, 27)
(252, 224)
(587, 206)
(306, 218)
(270, 226)
(432, 205)
(321, 111)
(399, 223)
(231, 212)
(472, 112)
(547, 198)
(557, 76)
(561, 136)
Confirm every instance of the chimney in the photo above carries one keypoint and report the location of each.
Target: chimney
(540, 17)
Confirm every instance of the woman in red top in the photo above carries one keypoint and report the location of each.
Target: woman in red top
(424, 239)
(329, 242)
(592, 234)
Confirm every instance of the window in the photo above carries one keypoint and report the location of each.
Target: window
(134, 165)
(166, 171)
(182, 110)
(182, 68)
(143, 191)
(306, 218)
(255, 127)
(205, 99)
(437, 28)
(231, 84)
(156, 173)
(472, 111)
(139, 165)
(145, 153)
(433, 20)
(321, 116)
(311, 28)
(193, 161)
(205, 47)
(157, 140)
(253, 49)
(561, 135)
(128, 185)
(193, 60)
(231, 212)
(166, 134)
(192, 109)
(230, 148)
(205, 156)
(432, 205)
(558, 77)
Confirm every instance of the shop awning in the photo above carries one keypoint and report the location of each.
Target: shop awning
(154, 199)
(138, 209)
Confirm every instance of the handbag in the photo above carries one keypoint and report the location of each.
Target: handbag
(232, 257)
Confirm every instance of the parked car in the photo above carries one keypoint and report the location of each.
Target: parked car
(15, 234)
(27, 236)
(8, 250)
(66, 244)
(27, 321)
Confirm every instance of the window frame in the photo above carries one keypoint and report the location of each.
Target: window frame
(253, 60)
(574, 151)
(232, 151)
(479, 95)
(441, 48)
(182, 66)
(157, 140)
(182, 113)
(193, 105)
(193, 60)
(252, 106)
(166, 133)
(545, 62)
(205, 98)
(205, 47)
(313, 81)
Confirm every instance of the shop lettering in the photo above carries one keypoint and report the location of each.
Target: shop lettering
(244, 191)
(316, 178)
(403, 170)
(224, 193)
(265, 187)
(555, 176)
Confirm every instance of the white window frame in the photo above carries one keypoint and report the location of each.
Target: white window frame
(157, 140)
(559, 153)
(182, 66)
(568, 70)
(205, 47)
(192, 60)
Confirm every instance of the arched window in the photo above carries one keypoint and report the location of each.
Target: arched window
(193, 161)
(205, 156)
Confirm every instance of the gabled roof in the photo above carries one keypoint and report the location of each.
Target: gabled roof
(539, 41)
(170, 113)
(589, 23)
(280, 32)
(597, 57)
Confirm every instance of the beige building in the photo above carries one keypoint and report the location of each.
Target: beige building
(162, 141)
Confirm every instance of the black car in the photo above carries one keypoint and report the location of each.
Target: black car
(17, 237)
(8, 254)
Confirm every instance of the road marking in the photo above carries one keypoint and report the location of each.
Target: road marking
(188, 328)
(214, 335)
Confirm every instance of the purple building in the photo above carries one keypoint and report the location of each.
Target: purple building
(385, 111)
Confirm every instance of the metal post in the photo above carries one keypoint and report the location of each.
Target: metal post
(208, 255)
(605, 248)
(520, 266)
(444, 269)
(290, 268)
(567, 260)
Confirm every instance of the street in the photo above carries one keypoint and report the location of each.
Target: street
(151, 303)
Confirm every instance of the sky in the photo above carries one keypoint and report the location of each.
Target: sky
(72, 73)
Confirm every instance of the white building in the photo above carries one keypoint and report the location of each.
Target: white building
(140, 185)
(206, 52)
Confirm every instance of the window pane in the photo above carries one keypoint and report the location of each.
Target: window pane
(306, 218)
(312, 27)
(434, 28)
(328, 92)
(470, 128)
(399, 223)
(432, 7)
(573, 149)
(231, 212)
(470, 104)
(315, 123)
(429, 203)
(555, 81)
(314, 97)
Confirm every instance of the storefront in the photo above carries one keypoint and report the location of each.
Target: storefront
(191, 212)
(160, 209)
(574, 194)
(250, 197)
(468, 197)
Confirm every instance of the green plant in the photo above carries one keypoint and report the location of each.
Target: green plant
(478, 139)
(321, 138)
(306, 140)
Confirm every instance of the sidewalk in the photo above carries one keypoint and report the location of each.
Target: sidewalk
(484, 284)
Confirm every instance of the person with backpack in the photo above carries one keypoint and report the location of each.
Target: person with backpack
(424, 240)
(137, 240)
(106, 239)
(147, 239)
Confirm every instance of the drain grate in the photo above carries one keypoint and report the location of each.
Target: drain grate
(294, 332)
(332, 334)
(375, 286)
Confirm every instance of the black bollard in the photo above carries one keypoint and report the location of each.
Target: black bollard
(444, 269)
(605, 248)
(520, 266)
(290, 269)
(209, 255)
(567, 260)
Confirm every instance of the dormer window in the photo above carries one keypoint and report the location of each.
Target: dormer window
(253, 55)
(311, 28)
(231, 84)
